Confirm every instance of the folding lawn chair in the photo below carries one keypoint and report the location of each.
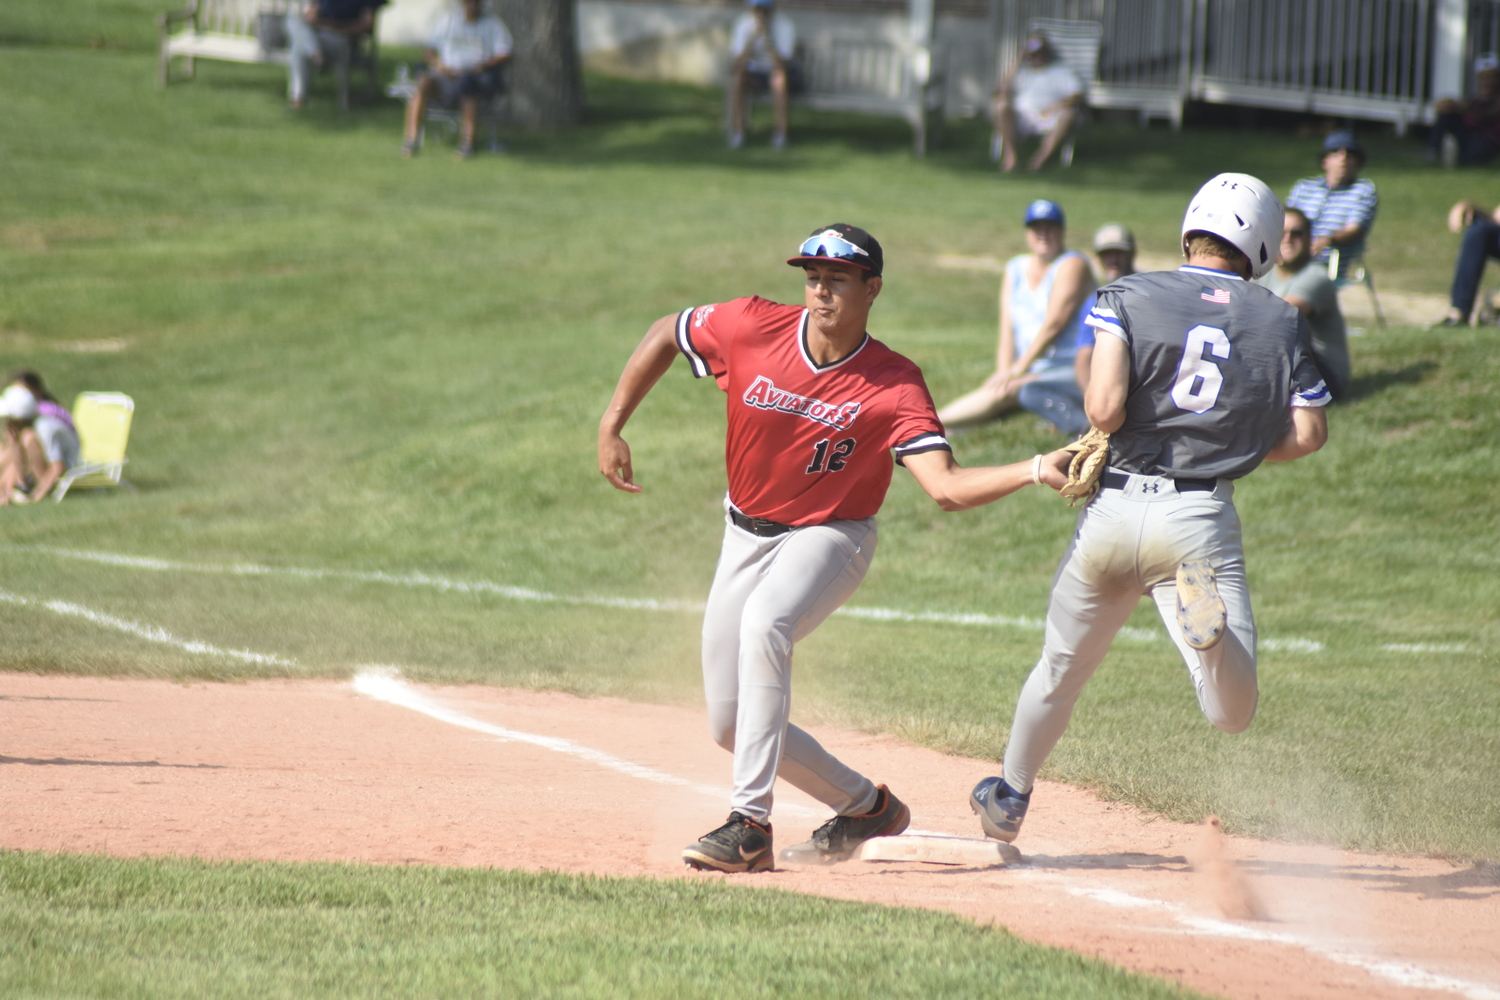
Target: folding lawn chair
(493, 111)
(103, 423)
(1354, 272)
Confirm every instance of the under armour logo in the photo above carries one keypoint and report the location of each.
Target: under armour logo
(1151, 487)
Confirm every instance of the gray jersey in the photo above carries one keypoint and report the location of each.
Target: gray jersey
(1215, 364)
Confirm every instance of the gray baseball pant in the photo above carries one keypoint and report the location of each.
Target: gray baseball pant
(768, 594)
(1128, 543)
(307, 43)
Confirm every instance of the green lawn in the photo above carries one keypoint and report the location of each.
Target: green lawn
(86, 927)
(347, 362)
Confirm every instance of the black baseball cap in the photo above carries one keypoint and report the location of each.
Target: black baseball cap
(843, 242)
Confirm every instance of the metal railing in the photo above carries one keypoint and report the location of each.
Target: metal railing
(1358, 58)
(1365, 58)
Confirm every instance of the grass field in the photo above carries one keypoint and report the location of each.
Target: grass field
(350, 363)
(103, 927)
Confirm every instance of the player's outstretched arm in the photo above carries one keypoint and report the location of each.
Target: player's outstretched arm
(1109, 383)
(1308, 433)
(957, 488)
(650, 361)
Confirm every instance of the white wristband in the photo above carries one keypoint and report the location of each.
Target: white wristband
(1036, 470)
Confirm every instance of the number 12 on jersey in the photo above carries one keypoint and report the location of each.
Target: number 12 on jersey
(835, 461)
(1199, 380)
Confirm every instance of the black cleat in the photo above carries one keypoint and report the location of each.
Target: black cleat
(838, 839)
(740, 845)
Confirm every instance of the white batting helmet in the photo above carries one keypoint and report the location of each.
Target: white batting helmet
(1241, 209)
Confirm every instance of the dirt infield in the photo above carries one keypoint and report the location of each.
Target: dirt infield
(481, 776)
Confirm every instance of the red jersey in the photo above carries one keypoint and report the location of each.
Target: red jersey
(806, 444)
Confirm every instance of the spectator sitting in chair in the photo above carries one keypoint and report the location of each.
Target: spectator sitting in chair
(1481, 230)
(322, 31)
(39, 442)
(463, 69)
(1114, 245)
(1042, 300)
(762, 47)
(1474, 124)
(1040, 96)
(1339, 204)
(1304, 283)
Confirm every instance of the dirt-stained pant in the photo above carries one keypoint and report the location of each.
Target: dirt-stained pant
(1129, 542)
(768, 594)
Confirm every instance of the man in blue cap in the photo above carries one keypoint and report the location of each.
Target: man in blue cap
(1340, 206)
(1043, 298)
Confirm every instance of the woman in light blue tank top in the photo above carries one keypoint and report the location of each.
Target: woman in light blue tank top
(1043, 299)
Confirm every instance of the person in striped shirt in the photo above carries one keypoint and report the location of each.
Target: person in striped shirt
(1340, 205)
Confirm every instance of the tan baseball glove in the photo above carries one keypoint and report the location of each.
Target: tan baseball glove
(1090, 456)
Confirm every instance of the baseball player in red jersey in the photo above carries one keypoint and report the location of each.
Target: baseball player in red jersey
(817, 408)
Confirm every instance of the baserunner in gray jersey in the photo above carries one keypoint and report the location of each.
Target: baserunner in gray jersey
(1198, 376)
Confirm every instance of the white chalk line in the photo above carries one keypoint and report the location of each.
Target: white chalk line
(150, 633)
(385, 684)
(1400, 973)
(631, 603)
(359, 576)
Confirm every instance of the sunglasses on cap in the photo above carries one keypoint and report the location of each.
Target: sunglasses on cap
(834, 246)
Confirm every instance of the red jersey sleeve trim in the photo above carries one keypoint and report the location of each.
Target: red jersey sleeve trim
(685, 345)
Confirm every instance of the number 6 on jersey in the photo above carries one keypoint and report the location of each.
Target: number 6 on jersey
(1199, 380)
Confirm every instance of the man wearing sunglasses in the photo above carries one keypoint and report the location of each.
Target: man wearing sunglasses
(1306, 285)
(817, 409)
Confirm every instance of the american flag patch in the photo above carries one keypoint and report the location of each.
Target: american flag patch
(1219, 295)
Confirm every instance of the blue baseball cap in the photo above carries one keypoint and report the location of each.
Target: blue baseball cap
(1343, 139)
(1043, 210)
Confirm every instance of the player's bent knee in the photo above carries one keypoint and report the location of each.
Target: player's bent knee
(769, 632)
(1235, 722)
(723, 733)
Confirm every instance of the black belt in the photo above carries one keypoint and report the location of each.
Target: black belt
(758, 525)
(1119, 480)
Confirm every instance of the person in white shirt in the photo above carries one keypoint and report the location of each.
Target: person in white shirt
(39, 443)
(463, 67)
(1039, 97)
(762, 48)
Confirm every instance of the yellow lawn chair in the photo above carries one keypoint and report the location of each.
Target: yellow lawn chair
(103, 423)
